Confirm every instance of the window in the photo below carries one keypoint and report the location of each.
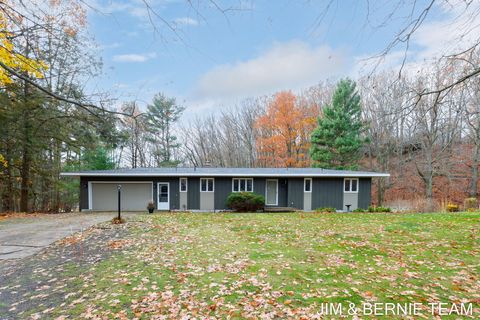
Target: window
(242, 185)
(183, 184)
(351, 185)
(206, 184)
(307, 185)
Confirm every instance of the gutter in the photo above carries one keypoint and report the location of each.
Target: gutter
(175, 174)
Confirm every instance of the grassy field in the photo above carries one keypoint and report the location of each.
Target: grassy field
(280, 265)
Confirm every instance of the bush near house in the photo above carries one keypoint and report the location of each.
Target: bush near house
(245, 201)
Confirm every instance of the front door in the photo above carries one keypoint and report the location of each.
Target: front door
(163, 196)
(271, 192)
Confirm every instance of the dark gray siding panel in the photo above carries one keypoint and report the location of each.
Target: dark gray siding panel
(259, 186)
(365, 193)
(193, 194)
(223, 187)
(327, 192)
(175, 194)
(295, 193)
(83, 193)
(283, 192)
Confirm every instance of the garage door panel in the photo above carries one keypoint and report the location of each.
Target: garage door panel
(134, 196)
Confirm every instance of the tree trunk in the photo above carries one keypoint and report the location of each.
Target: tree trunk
(475, 162)
(380, 191)
(25, 178)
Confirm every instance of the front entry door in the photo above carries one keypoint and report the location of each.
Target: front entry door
(271, 192)
(163, 196)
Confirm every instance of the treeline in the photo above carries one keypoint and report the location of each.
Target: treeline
(48, 123)
(414, 126)
(420, 129)
(421, 124)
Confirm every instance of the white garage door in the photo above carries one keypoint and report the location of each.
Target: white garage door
(134, 196)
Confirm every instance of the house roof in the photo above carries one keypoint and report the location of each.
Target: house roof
(224, 172)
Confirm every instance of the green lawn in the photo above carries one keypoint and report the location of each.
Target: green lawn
(281, 265)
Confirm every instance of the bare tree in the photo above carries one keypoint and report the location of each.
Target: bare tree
(226, 139)
(437, 118)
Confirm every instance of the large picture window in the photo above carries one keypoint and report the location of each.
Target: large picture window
(351, 185)
(206, 184)
(242, 185)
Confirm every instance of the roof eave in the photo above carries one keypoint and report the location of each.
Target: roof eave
(199, 174)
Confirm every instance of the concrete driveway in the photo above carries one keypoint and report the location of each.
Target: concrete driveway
(21, 237)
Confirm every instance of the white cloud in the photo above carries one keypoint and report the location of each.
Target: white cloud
(186, 21)
(291, 65)
(133, 57)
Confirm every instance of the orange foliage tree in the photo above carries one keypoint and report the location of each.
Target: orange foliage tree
(284, 132)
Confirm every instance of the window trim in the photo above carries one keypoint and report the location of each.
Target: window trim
(238, 179)
(180, 184)
(350, 179)
(213, 184)
(305, 185)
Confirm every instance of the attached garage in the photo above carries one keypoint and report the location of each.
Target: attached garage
(134, 195)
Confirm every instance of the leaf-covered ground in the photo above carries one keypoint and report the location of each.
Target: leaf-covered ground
(269, 266)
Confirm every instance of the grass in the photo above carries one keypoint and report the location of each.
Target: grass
(282, 265)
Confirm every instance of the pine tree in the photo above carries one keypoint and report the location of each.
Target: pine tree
(161, 117)
(337, 141)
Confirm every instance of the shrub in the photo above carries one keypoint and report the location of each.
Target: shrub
(470, 204)
(245, 201)
(359, 210)
(326, 209)
(379, 209)
(383, 209)
(451, 207)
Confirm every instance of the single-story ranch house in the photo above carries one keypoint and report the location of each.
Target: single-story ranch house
(206, 189)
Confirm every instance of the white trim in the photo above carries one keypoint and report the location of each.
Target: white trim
(168, 195)
(305, 185)
(240, 175)
(358, 185)
(207, 178)
(90, 195)
(242, 178)
(180, 184)
(266, 193)
(90, 198)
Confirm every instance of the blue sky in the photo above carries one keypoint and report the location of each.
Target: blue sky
(215, 59)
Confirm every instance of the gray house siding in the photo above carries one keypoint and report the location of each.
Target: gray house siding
(223, 187)
(193, 194)
(283, 192)
(327, 192)
(83, 193)
(259, 186)
(364, 193)
(295, 193)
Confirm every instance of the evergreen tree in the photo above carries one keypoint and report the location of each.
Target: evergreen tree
(161, 117)
(337, 140)
(97, 159)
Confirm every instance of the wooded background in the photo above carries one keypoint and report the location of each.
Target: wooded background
(423, 125)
